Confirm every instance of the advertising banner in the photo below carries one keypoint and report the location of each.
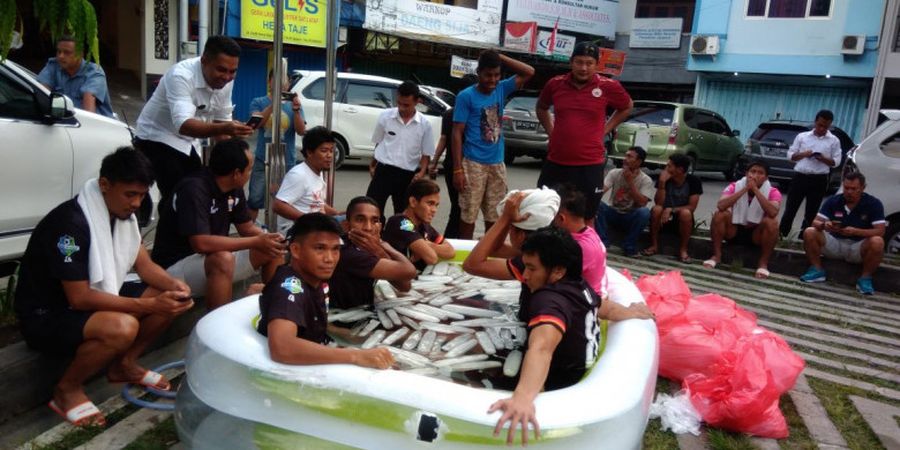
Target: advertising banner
(611, 62)
(304, 21)
(655, 33)
(596, 17)
(562, 50)
(459, 67)
(521, 36)
(436, 22)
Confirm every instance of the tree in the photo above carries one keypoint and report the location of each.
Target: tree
(58, 17)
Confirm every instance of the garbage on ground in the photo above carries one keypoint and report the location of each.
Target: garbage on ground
(676, 413)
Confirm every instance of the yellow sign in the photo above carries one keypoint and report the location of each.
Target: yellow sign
(304, 21)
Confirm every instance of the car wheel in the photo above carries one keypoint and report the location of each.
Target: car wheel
(892, 238)
(509, 157)
(733, 172)
(340, 151)
(693, 166)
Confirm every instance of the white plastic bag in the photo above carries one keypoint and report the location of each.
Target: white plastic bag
(676, 413)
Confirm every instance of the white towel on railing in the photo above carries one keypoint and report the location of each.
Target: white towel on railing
(114, 242)
(744, 213)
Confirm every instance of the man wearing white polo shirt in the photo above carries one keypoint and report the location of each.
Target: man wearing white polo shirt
(814, 153)
(404, 143)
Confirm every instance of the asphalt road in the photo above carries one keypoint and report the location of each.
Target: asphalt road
(353, 179)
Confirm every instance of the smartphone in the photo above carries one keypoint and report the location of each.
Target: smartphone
(836, 222)
(254, 121)
(288, 95)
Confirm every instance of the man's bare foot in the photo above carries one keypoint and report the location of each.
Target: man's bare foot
(649, 251)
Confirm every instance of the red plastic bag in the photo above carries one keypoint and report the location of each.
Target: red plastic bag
(783, 364)
(739, 395)
(666, 295)
(688, 348)
(712, 310)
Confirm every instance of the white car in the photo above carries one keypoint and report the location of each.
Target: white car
(878, 158)
(358, 101)
(49, 150)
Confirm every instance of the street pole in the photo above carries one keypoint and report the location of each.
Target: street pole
(331, 27)
(885, 46)
(275, 150)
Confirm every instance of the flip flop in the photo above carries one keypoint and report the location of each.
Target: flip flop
(150, 380)
(710, 263)
(762, 273)
(648, 252)
(78, 415)
(685, 260)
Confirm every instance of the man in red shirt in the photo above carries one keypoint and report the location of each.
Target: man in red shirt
(580, 99)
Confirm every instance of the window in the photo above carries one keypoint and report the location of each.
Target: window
(667, 8)
(17, 102)
(372, 95)
(710, 123)
(316, 89)
(652, 115)
(788, 9)
(891, 146)
(429, 106)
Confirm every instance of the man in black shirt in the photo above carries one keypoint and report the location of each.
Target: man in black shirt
(69, 302)
(365, 258)
(677, 196)
(411, 233)
(561, 311)
(192, 240)
(294, 304)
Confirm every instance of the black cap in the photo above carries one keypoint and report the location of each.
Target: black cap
(586, 48)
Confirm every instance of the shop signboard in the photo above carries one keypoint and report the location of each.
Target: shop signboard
(459, 67)
(436, 22)
(521, 36)
(655, 33)
(304, 21)
(595, 17)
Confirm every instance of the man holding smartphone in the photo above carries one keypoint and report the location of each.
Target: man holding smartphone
(814, 153)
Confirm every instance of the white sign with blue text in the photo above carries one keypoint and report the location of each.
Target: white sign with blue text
(596, 17)
(436, 22)
(655, 33)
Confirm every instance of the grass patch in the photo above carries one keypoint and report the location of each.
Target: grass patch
(835, 398)
(82, 435)
(655, 438)
(162, 436)
(725, 440)
(799, 437)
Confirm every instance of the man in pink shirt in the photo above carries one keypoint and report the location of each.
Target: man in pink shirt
(747, 212)
(578, 124)
(572, 207)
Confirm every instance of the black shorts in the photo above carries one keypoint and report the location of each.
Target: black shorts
(587, 179)
(60, 332)
(672, 225)
(744, 235)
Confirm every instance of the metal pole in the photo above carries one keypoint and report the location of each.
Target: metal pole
(275, 152)
(203, 24)
(885, 46)
(331, 27)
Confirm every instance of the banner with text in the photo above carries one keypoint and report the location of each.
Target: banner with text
(304, 23)
(521, 36)
(611, 62)
(597, 17)
(562, 50)
(459, 67)
(436, 22)
(655, 33)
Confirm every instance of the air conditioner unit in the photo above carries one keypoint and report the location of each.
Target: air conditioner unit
(853, 44)
(704, 45)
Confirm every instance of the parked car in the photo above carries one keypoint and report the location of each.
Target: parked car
(50, 149)
(771, 141)
(522, 133)
(878, 158)
(359, 100)
(663, 129)
(447, 96)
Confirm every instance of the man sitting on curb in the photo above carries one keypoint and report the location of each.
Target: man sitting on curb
(631, 191)
(72, 299)
(849, 226)
(677, 196)
(192, 239)
(747, 212)
(294, 304)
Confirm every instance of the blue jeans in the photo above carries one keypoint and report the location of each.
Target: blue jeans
(257, 197)
(632, 222)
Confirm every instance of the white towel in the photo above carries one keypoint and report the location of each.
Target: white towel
(112, 252)
(743, 213)
(542, 205)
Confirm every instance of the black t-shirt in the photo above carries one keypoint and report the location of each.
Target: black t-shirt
(447, 130)
(56, 252)
(401, 232)
(570, 306)
(351, 285)
(198, 208)
(288, 297)
(681, 195)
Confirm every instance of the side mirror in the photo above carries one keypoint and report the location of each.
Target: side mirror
(736, 133)
(61, 107)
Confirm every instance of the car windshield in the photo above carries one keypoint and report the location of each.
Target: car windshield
(522, 103)
(652, 115)
(780, 134)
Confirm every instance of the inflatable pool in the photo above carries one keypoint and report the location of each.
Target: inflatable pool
(237, 397)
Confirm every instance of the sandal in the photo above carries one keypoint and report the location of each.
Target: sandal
(762, 273)
(648, 252)
(79, 415)
(685, 259)
(710, 263)
(150, 380)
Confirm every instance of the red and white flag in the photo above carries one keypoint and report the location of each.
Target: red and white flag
(552, 43)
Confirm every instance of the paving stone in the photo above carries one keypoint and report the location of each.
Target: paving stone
(883, 391)
(125, 431)
(765, 443)
(820, 427)
(882, 419)
(855, 354)
(874, 348)
(867, 371)
(688, 441)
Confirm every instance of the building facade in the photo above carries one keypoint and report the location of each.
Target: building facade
(760, 60)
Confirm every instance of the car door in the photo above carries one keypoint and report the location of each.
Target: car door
(358, 113)
(729, 145)
(36, 174)
(709, 137)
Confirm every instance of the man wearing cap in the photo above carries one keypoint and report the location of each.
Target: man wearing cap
(580, 99)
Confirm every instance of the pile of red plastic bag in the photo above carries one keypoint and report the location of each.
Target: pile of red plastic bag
(733, 370)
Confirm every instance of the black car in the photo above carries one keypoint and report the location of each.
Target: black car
(771, 141)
